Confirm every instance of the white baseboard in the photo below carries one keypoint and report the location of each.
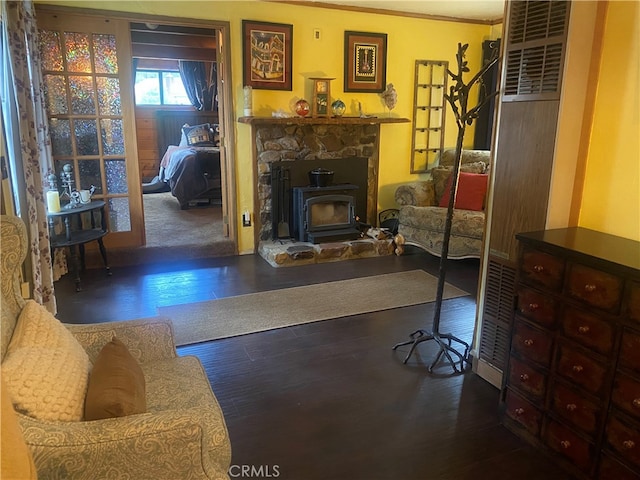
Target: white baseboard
(488, 372)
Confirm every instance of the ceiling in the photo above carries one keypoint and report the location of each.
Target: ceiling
(485, 10)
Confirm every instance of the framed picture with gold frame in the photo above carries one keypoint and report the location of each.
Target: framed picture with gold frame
(365, 61)
(267, 55)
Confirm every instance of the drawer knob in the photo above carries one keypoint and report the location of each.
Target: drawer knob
(565, 444)
(538, 268)
(628, 444)
(571, 407)
(519, 411)
(636, 402)
(533, 307)
(524, 377)
(589, 287)
(528, 342)
(583, 329)
(578, 368)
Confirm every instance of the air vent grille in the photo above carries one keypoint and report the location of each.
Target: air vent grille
(534, 53)
(537, 20)
(497, 313)
(534, 70)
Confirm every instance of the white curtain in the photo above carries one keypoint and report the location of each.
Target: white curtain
(28, 141)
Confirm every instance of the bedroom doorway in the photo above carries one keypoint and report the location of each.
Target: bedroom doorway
(186, 212)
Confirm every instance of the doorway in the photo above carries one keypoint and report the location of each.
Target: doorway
(129, 243)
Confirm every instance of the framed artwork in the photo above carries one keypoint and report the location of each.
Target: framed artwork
(365, 62)
(266, 55)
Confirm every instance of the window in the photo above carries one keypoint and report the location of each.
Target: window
(160, 87)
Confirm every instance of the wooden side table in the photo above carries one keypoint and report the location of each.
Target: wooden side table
(80, 235)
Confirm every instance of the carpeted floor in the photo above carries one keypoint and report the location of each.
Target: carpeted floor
(167, 225)
(256, 312)
(173, 234)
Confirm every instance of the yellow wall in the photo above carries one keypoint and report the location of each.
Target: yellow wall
(611, 195)
(409, 39)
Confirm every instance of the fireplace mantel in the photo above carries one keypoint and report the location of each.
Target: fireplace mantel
(321, 120)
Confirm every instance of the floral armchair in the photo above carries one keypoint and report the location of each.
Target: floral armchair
(421, 218)
(181, 435)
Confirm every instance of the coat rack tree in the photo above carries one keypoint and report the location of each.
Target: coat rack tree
(457, 98)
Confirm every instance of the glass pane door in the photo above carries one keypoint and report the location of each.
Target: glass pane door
(84, 90)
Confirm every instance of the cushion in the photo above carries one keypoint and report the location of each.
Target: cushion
(472, 188)
(183, 137)
(440, 175)
(46, 370)
(201, 135)
(116, 384)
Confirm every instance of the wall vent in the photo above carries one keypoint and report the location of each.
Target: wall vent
(497, 315)
(535, 49)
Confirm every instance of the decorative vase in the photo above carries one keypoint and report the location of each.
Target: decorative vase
(338, 107)
(302, 108)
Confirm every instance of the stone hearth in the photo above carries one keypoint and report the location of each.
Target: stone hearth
(287, 253)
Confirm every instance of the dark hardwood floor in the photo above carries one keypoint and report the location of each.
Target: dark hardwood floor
(330, 400)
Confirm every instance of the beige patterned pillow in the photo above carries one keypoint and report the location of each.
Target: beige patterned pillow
(46, 370)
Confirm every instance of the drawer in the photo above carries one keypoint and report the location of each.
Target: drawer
(633, 303)
(542, 269)
(624, 438)
(532, 343)
(523, 412)
(611, 469)
(588, 329)
(581, 370)
(526, 379)
(537, 307)
(568, 444)
(630, 350)
(595, 288)
(626, 394)
(575, 408)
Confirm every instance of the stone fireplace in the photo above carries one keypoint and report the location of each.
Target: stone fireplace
(308, 143)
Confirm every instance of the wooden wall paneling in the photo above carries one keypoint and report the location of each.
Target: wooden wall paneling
(148, 155)
(524, 161)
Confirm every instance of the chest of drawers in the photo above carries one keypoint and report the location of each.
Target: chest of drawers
(572, 386)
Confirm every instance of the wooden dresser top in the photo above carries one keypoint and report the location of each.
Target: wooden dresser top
(588, 245)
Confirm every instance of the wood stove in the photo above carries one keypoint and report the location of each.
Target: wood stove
(325, 214)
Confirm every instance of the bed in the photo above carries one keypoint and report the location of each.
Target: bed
(190, 170)
(192, 173)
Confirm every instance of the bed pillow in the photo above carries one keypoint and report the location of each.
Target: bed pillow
(183, 136)
(472, 188)
(201, 135)
(45, 369)
(116, 384)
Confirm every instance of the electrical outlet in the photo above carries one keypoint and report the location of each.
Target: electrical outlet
(246, 219)
(316, 34)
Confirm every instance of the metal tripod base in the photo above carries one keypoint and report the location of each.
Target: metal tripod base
(444, 342)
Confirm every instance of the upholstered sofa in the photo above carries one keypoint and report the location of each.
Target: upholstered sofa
(421, 219)
(182, 434)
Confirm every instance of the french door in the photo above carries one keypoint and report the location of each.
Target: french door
(88, 90)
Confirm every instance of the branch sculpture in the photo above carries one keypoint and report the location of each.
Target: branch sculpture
(457, 98)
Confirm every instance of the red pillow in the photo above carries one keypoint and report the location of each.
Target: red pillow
(472, 188)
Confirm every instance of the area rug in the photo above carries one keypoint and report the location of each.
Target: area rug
(257, 312)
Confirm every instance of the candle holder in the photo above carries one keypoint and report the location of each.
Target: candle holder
(68, 182)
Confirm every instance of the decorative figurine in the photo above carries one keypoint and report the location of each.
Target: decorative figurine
(390, 97)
